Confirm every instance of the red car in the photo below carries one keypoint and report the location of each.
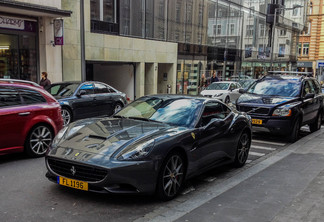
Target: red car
(29, 118)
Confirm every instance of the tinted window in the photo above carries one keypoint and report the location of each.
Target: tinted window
(88, 88)
(100, 88)
(111, 90)
(214, 110)
(63, 90)
(276, 87)
(218, 86)
(9, 97)
(31, 97)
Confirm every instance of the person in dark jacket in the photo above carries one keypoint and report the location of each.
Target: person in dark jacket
(45, 82)
(214, 78)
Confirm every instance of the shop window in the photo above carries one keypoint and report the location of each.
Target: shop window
(281, 50)
(248, 51)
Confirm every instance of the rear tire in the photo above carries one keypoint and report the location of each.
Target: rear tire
(316, 125)
(243, 148)
(118, 107)
(66, 115)
(171, 176)
(38, 140)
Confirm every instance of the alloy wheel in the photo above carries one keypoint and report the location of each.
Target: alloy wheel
(243, 149)
(173, 175)
(40, 140)
(66, 115)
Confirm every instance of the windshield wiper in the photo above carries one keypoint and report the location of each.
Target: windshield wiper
(145, 119)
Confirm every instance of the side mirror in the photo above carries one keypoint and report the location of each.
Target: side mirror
(309, 96)
(81, 93)
(242, 91)
(215, 123)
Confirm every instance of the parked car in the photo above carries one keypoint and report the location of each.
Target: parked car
(81, 100)
(225, 91)
(246, 83)
(29, 118)
(281, 104)
(151, 145)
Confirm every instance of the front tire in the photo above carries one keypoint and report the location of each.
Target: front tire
(118, 107)
(38, 140)
(171, 176)
(295, 132)
(227, 100)
(243, 148)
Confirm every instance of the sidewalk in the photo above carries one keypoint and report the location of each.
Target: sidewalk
(291, 189)
(288, 186)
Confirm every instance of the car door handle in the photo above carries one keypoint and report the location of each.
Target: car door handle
(24, 114)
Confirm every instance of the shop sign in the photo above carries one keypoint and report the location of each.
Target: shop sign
(58, 31)
(320, 64)
(11, 23)
(304, 64)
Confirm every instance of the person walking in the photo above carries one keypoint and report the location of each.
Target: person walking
(202, 84)
(214, 78)
(45, 82)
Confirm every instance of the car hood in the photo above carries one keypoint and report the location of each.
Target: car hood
(212, 92)
(96, 140)
(269, 101)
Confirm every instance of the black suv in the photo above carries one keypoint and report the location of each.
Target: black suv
(282, 104)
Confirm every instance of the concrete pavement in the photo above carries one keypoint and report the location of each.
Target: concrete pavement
(288, 186)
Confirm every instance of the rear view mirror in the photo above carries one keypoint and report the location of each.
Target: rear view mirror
(242, 91)
(309, 96)
(81, 93)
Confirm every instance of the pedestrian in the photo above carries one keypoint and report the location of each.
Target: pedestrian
(45, 82)
(202, 84)
(214, 78)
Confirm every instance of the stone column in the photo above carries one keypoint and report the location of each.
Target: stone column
(151, 75)
(140, 79)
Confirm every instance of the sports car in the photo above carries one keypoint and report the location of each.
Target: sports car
(150, 146)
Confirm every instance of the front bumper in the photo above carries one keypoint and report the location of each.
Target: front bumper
(276, 125)
(128, 177)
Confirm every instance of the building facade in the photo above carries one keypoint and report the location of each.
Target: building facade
(311, 41)
(157, 46)
(27, 39)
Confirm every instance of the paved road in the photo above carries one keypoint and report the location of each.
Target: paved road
(27, 195)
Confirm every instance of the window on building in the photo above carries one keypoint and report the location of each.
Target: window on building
(251, 12)
(231, 29)
(283, 32)
(305, 48)
(262, 30)
(249, 30)
(281, 50)
(261, 51)
(299, 48)
(214, 30)
(248, 51)
(219, 29)
(296, 11)
(103, 16)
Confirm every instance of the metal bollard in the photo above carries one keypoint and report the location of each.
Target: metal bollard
(168, 89)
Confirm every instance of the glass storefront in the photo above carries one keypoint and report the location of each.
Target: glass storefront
(18, 57)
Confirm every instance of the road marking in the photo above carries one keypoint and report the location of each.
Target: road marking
(268, 142)
(256, 154)
(262, 148)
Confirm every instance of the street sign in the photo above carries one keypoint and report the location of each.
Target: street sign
(320, 64)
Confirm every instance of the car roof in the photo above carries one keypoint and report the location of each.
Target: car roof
(19, 81)
(224, 82)
(179, 96)
(285, 77)
(22, 85)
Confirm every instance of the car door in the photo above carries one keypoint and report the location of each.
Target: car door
(84, 104)
(13, 118)
(309, 103)
(317, 99)
(103, 99)
(213, 142)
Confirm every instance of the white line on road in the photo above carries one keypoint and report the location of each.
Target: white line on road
(256, 154)
(262, 148)
(268, 142)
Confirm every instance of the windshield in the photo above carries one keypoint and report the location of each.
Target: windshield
(63, 90)
(276, 87)
(180, 112)
(218, 86)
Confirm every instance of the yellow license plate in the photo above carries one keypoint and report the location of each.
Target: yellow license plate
(257, 121)
(77, 184)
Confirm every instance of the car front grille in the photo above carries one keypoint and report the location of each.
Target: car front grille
(77, 171)
(254, 110)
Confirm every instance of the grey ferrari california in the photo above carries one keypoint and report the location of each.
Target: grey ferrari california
(150, 146)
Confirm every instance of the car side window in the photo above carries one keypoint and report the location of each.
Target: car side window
(214, 110)
(101, 88)
(317, 87)
(111, 90)
(9, 97)
(31, 97)
(88, 88)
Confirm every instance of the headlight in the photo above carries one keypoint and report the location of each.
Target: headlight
(219, 94)
(59, 136)
(136, 151)
(284, 111)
